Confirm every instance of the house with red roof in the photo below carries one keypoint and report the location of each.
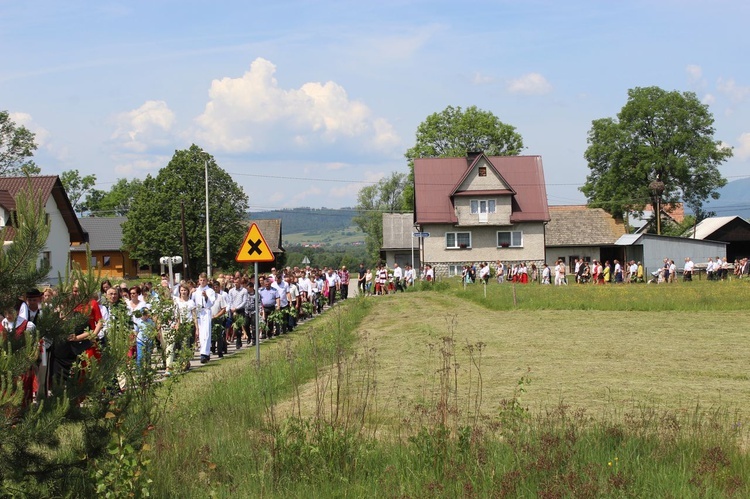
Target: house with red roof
(480, 209)
(65, 228)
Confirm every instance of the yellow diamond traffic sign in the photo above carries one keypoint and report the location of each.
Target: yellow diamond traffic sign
(254, 248)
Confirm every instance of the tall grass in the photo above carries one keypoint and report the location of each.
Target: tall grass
(687, 297)
(221, 434)
(314, 420)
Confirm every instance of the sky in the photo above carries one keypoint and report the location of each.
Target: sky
(306, 102)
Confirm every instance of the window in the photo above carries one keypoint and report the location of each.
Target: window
(455, 270)
(46, 257)
(93, 262)
(482, 171)
(482, 206)
(458, 239)
(512, 239)
(106, 261)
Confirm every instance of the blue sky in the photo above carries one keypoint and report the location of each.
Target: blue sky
(305, 102)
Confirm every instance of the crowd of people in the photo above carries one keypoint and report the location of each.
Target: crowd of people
(602, 272)
(203, 315)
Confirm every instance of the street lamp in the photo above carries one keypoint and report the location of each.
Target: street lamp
(170, 260)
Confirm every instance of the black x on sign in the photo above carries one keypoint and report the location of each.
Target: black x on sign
(254, 248)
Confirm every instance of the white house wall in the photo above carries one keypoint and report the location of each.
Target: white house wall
(466, 217)
(484, 244)
(58, 241)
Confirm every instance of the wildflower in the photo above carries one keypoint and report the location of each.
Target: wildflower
(609, 463)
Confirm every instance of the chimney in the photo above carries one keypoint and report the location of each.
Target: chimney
(471, 156)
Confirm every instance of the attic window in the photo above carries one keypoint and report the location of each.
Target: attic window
(482, 171)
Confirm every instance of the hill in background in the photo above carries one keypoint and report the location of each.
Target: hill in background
(310, 226)
(734, 200)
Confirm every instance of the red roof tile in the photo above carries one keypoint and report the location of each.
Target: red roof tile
(435, 181)
(47, 185)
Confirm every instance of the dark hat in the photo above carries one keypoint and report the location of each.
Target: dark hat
(33, 293)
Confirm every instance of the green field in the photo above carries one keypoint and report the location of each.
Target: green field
(630, 391)
(331, 237)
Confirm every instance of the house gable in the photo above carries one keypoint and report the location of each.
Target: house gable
(441, 183)
(482, 177)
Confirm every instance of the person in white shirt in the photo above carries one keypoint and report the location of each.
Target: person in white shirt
(546, 274)
(236, 307)
(410, 275)
(218, 316)
(295, 304)
(398, 277)
(687, 271)
(559, 273)
(282, 287)
(672, 271)
(204, 298)
(332, 280)
(633, 271)
(500, 270)
(484, 272)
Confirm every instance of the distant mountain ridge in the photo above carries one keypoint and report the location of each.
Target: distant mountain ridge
(734, 199)
(309, 220)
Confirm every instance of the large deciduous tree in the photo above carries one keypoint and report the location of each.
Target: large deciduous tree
(387, 196)
(17, 146)
(113, 203)
(454, 132)
(77, 187)
(54, 448)
(153, 227)
(660, 150)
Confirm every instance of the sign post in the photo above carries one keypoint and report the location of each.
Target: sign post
(420, 236)
(254, 249)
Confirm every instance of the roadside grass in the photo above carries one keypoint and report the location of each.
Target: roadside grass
(448, 394)
(680, 296)
(218, 433)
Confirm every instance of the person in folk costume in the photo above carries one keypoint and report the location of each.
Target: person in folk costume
(92, 309)
(523, 273)
(14, 327)
(204, 297)
(30, 310)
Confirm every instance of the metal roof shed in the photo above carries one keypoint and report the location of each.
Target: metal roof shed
(652, 249)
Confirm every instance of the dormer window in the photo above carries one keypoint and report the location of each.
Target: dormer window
(482, 171)
(482, 206)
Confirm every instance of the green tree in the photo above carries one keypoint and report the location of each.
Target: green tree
(660, 150)
(47, 449)
(113, 203)
(387, 196)
(17, 146)
(153, 227)
(76, 187)
(454, 132)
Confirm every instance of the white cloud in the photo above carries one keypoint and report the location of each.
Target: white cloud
(300, 196)
(144, 128)
(736, 93)
(695, 73)
(481, 79)
(335, 166)
(253, 113)
(708, 99)
(742, 151)
(530, 84)
(136, 165)
(41, 135)
(344, 191)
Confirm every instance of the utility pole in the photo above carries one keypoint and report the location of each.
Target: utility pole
(185, 256)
